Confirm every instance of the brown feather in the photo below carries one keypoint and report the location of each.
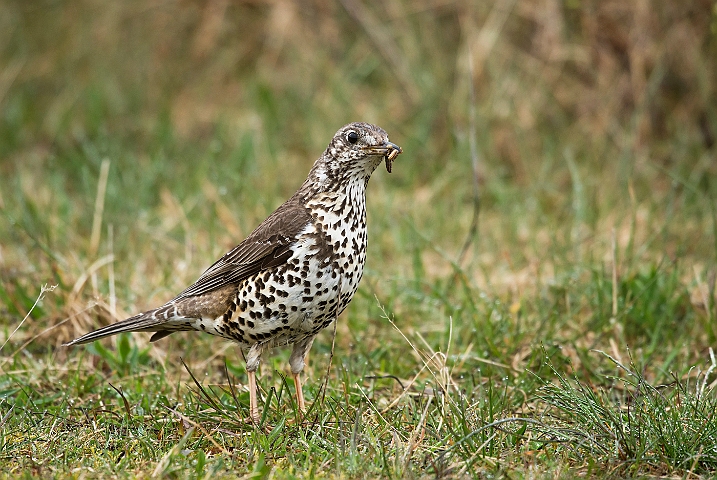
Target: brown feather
(269, 245)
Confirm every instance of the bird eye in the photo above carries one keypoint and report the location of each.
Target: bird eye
(352, 137)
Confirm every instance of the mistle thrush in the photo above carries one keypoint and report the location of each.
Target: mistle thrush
(293, 275)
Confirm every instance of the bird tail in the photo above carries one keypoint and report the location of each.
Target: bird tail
(151, 321)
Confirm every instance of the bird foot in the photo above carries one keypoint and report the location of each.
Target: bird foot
(299, 419)
(253, 419)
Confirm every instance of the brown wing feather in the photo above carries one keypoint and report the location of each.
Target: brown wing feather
(267, 246)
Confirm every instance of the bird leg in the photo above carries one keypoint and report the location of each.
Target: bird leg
(299, 393)
(253, 357)
(297, 362)
(253, 406)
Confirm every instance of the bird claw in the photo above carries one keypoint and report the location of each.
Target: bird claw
(253, 419)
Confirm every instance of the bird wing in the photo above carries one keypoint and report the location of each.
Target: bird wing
(267, 246)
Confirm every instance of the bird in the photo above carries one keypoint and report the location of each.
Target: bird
(293, 275)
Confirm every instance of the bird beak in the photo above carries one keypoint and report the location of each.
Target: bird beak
(388, 149)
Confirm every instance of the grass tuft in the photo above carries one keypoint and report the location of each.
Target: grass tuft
(635, 426)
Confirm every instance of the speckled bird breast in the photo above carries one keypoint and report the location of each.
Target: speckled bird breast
(296, 300)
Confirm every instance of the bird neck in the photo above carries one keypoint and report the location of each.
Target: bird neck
(330, 177)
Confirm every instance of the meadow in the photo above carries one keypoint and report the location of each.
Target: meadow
(539, 298)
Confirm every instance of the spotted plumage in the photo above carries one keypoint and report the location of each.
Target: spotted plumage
(294, 274)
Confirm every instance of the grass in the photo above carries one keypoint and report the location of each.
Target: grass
(572, 337)
(636, 423)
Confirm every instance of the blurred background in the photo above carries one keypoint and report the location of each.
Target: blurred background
(633, 72)
(586, 127)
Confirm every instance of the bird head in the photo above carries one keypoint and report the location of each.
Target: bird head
(362, 146)
(354, 153)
